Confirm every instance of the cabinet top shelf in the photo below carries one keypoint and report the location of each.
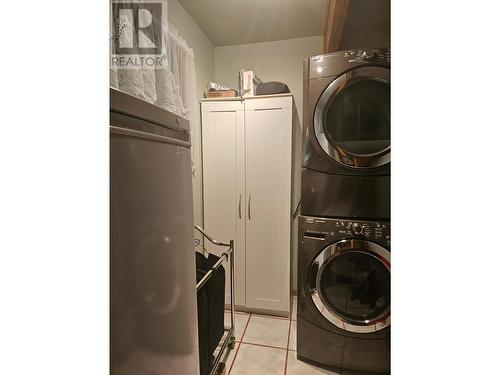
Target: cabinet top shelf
(223, 99)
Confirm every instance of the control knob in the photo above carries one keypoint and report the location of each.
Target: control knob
(357, 228)
(368, 55)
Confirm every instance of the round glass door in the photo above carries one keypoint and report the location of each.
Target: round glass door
(352, 118)
(350, 285)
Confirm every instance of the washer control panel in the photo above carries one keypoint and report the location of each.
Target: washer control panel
(322, 229)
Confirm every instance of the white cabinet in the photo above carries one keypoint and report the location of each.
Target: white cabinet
(247, 182)
(223, 129)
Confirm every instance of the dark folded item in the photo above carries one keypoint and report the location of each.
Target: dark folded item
(270, 88)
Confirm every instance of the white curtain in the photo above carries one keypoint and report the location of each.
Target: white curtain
(171, 86)
(176, 86)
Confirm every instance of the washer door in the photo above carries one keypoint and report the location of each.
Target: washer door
(352, 118)
(350, 283)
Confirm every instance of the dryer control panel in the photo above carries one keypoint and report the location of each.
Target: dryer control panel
(380, 55)
(336, 229)
(333, 64)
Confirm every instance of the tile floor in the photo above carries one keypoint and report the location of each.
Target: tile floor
(266, 345)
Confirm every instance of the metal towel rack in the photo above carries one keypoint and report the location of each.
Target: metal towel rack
(228, 255)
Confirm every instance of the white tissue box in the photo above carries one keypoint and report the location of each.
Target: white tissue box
(248, 88)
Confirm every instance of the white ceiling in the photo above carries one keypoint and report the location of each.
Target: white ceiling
(228, 22)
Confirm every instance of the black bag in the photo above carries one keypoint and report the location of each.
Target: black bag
(270, 88)
(214, 289)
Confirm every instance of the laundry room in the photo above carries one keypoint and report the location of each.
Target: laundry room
(244, 190)
(288, 113)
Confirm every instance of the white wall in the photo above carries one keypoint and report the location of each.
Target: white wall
(280, 60)
(204, 58)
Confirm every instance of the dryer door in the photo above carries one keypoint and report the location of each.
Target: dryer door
(352, 118)
(349, 282)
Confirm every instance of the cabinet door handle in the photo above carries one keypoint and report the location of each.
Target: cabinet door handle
(249, 201)
(239, 207)
(268, 109)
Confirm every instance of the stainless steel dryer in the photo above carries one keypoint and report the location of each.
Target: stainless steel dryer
(346, 155)
(344, 302)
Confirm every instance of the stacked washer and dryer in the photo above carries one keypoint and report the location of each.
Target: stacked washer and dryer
(343, 314)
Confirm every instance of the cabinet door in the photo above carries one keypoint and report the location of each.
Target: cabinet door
(223, 184)
(268, 129)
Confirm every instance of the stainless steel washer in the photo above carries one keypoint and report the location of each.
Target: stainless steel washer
(344, 301)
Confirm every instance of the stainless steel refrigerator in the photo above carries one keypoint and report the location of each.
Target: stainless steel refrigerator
(153, 280)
